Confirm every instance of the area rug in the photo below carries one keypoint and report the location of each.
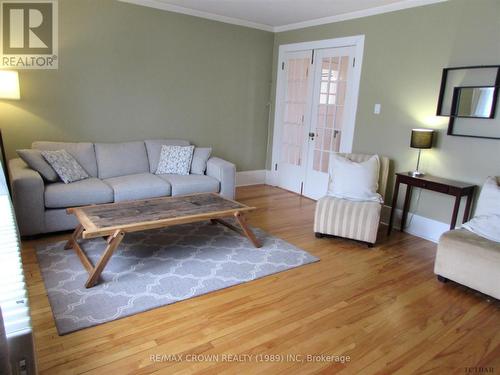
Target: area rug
(156, 268)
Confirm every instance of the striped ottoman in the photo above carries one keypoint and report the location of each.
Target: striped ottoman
(350, 219)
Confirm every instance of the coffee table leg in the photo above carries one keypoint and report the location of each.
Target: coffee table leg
(74, 237)
(113, 242)
(248, 232)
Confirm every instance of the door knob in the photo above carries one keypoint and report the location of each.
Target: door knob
(312, 135)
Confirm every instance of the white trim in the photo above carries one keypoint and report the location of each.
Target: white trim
(271, 178)
(245, 178)
(198, 13)
(358, 14)
(358, 41)
(404, 4)
(419, 226)
(320, 44)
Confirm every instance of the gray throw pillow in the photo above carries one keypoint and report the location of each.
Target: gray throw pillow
(200, 158)
(175, 160)
(35, 161)
(65, 166)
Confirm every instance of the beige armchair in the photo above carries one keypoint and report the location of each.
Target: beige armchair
(351, 219)
(470, 259)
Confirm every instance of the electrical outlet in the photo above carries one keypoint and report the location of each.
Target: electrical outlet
(376, 109)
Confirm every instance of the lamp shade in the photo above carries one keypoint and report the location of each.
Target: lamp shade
(421, 138)
(9, 85)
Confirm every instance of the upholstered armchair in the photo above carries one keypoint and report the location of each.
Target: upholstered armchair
(471, 255)
(356, 220)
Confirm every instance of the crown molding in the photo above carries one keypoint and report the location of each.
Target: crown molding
(405, 4)
(197, 13)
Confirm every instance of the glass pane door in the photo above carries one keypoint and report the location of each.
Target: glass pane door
(330, 110)
(330, 98)
(295, 109)
(296, 106)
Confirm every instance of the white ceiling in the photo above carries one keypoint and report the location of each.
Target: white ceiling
(281, 15)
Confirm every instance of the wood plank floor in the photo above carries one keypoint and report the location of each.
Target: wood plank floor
(382, 307)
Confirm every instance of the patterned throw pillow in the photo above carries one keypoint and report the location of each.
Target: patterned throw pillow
(65, 166)
(175, 160)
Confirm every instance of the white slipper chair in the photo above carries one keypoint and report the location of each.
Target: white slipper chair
(352, 219)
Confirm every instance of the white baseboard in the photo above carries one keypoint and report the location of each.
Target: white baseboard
(246, 178)
(419, 226)
(271, 178)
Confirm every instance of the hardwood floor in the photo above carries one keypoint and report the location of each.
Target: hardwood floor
(382, 307)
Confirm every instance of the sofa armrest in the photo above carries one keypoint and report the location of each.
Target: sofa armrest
(28, 197)
(225, 172)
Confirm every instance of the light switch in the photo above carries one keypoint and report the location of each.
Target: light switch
(376, 109)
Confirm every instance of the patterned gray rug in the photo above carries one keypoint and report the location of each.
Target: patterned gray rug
(157, 268)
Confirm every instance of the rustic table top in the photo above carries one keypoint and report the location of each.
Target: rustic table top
(130, 216)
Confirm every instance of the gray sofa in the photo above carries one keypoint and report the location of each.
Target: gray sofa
(119, 172)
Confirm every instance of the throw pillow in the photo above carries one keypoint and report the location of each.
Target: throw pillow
(175, 160)
(354, 181)
(487, 226)
(200, 158)
(35, 161)
(488, 202)
(65, 166)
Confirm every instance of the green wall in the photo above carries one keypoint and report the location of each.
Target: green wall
(404, 54)
(128, 72)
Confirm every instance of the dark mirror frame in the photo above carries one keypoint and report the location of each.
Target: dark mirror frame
(452, 117)
(456, 101)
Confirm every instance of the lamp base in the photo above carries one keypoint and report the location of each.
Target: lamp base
(416, 174)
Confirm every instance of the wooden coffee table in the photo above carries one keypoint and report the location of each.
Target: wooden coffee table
(113, 220)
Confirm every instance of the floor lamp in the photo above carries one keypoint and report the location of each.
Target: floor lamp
(9, 89)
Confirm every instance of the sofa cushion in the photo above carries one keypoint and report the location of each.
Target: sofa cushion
(200, 158)
(79, 193)
(153, 146)
(37, 162)
(121, 159)
(138, 186)
(83, 152)
(182, 185)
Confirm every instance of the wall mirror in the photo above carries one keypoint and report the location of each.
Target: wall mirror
(468, 95)
(474, 102)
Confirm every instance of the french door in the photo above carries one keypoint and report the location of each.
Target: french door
(316, 116)
(295, 117)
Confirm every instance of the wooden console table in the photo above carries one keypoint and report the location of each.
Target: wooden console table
(441, 185)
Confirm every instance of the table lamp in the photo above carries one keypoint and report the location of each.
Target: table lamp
(9, 89)
(420, 138)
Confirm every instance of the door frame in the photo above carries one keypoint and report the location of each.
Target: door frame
(357, 41)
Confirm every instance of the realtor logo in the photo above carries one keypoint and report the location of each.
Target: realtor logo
(28, 34)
